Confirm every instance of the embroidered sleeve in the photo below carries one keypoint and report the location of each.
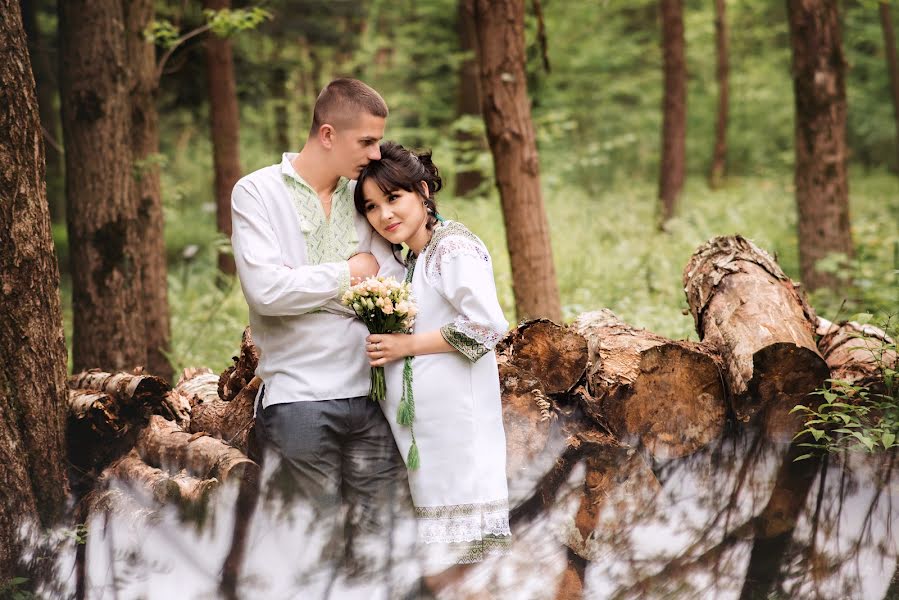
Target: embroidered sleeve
(461, 271)
(471, 339)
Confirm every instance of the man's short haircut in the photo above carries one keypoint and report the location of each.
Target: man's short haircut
(343, 101)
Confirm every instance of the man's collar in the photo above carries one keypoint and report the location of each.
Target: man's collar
(288, 171)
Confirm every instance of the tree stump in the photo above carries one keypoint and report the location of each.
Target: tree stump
(857, 353)
(235, 377)
(164, 445)
(747, 308)
(555, 355)
(229, 421)
(649, 391)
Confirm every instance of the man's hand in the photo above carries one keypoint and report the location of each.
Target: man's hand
(362, 265)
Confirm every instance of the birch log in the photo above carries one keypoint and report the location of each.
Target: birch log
(649, 391)
(235, 377)
(745, 306)
(857, 353)
(162, 444)
(555, 355)
(229, 421)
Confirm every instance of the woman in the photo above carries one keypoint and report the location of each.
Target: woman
(459, 484)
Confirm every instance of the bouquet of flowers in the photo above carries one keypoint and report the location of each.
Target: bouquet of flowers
(385, 306)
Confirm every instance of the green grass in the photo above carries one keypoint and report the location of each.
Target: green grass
(606, 248)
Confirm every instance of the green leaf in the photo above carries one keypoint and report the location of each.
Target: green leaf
(888, 439)
(802, 457)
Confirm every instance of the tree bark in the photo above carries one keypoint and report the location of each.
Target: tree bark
(162, 444)
(230, 421)
(674, 108)
(107, 299)
(510, 131)
(554, 355)
(32, 346)
(163, 487)
(198, 386)
(822, 188)
(224, 124)
(128, 389)
(889, 44)
(719, 155)
(753, 314)
(856, 353)
(234, 378)
(527, 419)
(146, 187)
(46, 85)
(650, 391)
(468, 98)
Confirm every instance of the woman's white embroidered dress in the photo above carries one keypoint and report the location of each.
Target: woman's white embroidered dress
(459, 490)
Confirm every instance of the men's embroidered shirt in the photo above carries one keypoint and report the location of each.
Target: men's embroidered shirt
(292, 264)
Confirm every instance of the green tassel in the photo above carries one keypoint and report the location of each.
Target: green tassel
(412, 460)
(405, 413)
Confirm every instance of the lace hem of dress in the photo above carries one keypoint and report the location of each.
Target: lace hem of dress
(463, 522)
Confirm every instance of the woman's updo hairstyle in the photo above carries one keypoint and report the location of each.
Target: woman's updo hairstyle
(402, 169)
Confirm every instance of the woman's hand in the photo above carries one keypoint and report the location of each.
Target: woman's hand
(383, 348)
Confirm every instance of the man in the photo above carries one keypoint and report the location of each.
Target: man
(298, 243)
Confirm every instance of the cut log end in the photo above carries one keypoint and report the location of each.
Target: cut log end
(554, 354)
(677, 405)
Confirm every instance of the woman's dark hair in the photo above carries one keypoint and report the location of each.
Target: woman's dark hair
(402, 169)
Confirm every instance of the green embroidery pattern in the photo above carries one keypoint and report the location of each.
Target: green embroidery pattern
(327, 240)
(471, 349)
(455, 511)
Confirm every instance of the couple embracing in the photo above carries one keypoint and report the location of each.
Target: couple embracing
(337, 212)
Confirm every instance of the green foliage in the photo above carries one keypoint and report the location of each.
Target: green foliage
(228, 21)
(13, 589)
(856, 417)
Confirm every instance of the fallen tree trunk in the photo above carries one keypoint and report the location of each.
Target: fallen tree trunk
(617, 484)
(649, 391)
(856, 353)
(229, 421)
(528, 414)
(198, 385)
(234, 378)
(126, 388)
(746, 307)
(180, 488)
(555, 355)
(164, 445)
(99, 429)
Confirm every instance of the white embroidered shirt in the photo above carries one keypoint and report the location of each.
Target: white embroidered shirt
(292, 264)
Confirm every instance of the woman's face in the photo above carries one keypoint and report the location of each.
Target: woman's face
(399, 216)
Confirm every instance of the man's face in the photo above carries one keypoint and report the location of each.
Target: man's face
(355, 146)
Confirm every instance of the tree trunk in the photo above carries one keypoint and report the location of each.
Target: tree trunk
(674, 108)
(162, 444)
(162, 486)
(46, 84)
(104, 234)
(753, 314)
(510, 130)
(822, 189)
(199, 386)
(224, 124)
(856, 353)
(719, 156)
(468, 100)
(889, 43)
(554, 355)
(649, 391)
(146, 186)
(32, 346)
(128, 389)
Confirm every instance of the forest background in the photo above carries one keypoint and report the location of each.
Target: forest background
(596, 91)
